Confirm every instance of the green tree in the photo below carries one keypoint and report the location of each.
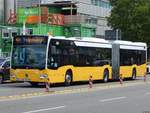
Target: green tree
(132, 17)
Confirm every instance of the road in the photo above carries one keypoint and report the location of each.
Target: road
(131, 97)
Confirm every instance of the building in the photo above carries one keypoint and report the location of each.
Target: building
(79, 18)
(95, 12)
(27, 3)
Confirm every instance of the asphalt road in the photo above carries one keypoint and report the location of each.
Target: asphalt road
(9, 89)
(131, 97)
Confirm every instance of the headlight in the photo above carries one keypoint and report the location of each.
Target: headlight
(43, 76)
(13, 76)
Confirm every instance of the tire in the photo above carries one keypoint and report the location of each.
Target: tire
(105, 76)
(34, 84)
(1, 78)
(68, 79)
(147, 70)
(133, 74)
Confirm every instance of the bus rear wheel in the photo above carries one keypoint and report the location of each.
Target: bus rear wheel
(68, 78)
(105, 76)
(134, 74)
(1, 78)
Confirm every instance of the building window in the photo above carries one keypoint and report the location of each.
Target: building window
(101, 3)
(93, 2)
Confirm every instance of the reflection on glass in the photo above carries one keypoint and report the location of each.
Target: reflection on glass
(29, 56)
(1, 61)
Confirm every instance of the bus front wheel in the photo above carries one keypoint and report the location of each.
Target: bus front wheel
(105, 76)
(68, 78)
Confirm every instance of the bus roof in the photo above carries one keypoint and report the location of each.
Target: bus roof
(87, 41)
(130, 43)
(98, 42)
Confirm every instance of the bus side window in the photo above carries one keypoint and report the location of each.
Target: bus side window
(132, 61)
(53, 49)
(51, 61)
(71, 51)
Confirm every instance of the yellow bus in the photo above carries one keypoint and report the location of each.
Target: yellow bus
(66, 60)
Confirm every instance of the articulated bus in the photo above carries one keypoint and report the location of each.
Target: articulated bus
(65, 60)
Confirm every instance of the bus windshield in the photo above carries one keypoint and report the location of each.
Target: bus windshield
(29, 56)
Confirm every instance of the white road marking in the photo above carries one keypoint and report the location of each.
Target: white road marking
(148, 93)
(112, 99)
(47, 109)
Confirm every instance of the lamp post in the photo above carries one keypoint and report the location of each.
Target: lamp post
(15, 6)
(39, 16)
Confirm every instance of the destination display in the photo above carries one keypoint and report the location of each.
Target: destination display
(30, 40)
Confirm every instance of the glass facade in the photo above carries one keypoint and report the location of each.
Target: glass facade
(101, 3)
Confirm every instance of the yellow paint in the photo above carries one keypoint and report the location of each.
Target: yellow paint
(141, 70)
(58, 76)
(79, 73)
(126, 71)
(20, 74)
